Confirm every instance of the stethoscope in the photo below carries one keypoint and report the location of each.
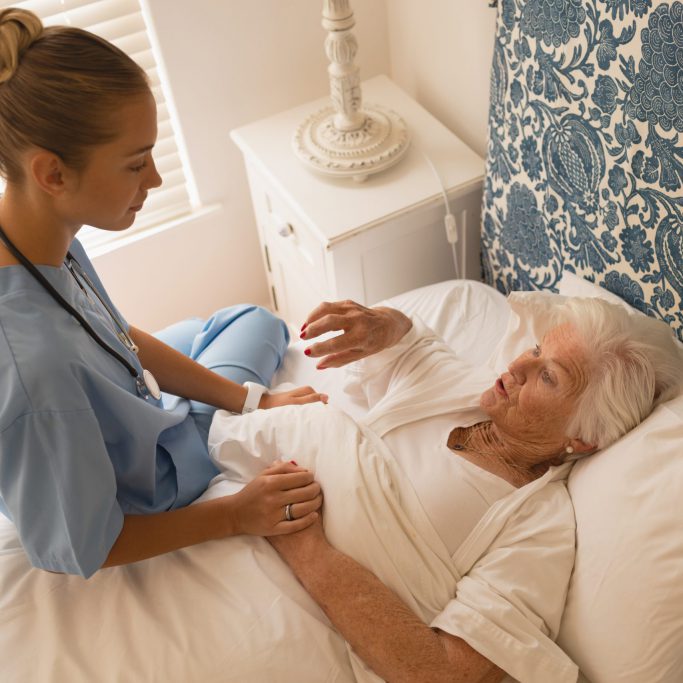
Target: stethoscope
(145, 383)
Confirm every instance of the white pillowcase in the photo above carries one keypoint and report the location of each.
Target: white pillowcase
(529, 320)
(468, 315)
(573, 285)
(624, 616)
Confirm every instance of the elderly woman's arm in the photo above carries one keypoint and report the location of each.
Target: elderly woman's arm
(381, 629)
(365, 331)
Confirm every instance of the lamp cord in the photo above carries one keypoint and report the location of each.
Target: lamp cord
(449, 219)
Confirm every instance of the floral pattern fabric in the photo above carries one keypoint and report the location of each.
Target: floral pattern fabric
(585, 155)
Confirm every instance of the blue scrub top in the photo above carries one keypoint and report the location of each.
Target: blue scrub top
(79, 448)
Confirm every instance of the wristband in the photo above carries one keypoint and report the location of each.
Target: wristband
(254, 393)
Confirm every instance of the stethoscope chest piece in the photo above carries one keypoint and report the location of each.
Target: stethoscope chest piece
(147, 385)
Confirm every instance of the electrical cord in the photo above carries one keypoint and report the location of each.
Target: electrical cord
(449, 219)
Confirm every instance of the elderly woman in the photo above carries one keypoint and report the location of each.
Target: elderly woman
(449, 534)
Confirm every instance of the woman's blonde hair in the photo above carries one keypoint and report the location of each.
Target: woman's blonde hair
(60, 88)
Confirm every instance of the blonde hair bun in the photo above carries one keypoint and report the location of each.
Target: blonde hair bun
(19, 28)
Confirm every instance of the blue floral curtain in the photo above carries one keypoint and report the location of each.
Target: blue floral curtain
(585, 156)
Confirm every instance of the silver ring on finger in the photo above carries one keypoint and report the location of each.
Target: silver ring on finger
(288, 512)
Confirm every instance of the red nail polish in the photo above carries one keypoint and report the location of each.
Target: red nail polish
(294, 462)
(303, 335)
(307, 352)
(304, 326)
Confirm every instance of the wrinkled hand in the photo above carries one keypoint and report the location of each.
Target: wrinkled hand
(365, 331)
(301, 544)
(259, 508)
(297, 396)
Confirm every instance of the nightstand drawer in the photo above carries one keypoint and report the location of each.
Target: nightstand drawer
(286, 233)
(292, 296)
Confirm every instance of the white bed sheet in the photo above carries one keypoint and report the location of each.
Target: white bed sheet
(184, 616)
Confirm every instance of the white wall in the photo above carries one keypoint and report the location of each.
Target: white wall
(229, 62)
(441, 53)
(234, 61)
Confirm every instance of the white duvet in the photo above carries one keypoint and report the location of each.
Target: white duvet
(227, 611)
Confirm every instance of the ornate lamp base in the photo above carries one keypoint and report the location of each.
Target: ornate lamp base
(380, 142)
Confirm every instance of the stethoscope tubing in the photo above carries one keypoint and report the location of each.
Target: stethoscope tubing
(122, 334)
(31, 268)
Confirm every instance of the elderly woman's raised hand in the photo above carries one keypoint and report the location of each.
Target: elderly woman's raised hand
(364, 331)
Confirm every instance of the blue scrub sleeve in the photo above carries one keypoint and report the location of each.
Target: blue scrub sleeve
(59, 489)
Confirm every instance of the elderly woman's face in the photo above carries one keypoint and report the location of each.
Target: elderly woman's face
(533, 402)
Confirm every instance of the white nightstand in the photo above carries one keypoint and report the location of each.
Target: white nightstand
(329, 239)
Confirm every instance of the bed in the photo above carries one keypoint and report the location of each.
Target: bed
(186, 617)
(583, 183)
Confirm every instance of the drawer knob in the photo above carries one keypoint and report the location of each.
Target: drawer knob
(285, 229)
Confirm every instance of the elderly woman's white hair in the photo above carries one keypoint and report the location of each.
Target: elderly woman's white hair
(635, 364)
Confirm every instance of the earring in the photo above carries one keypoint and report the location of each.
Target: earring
(569, 450)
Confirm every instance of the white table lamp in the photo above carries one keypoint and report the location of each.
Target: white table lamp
(346, 140)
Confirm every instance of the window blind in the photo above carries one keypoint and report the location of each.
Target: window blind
(122, 23)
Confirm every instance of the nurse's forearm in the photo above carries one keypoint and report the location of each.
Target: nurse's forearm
(145, 536)
(257, 509)
(177, 374)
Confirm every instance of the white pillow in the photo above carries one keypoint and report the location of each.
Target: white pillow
(470, 316)
(624, 616)
(573, 285)
(527, 323)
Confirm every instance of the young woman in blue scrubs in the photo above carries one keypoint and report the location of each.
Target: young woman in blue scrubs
(96, 469)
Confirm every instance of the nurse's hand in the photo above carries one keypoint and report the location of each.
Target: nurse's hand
(365, 331)
(297, 396)
(260, 508)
